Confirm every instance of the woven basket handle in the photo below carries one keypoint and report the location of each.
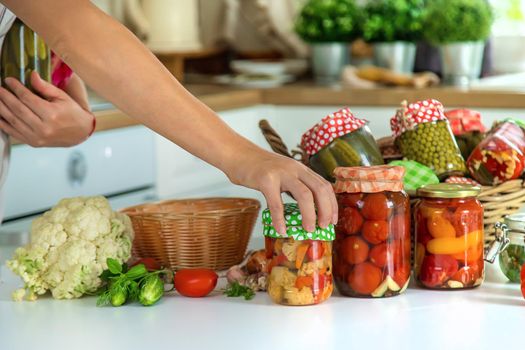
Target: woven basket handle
(277, 144)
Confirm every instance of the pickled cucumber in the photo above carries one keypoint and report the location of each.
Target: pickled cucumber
(344, 153)
(433, 145)
(328, 162)
(24, 51)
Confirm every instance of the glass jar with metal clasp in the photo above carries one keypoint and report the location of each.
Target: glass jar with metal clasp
(513, 257)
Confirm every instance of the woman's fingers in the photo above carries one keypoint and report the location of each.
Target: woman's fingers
(19, 109)
(305, 198)
(324, 198)
(8, 129)
(26, 97)
(275, 205)
(13, 120)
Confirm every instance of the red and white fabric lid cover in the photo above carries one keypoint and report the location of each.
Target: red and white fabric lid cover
(464, 120)
(329, 128)
(416, 113)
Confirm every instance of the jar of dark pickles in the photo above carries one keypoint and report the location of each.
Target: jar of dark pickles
(300, 262)
(422, 133)
(340, 140)
(372, 246)
(23, 51)
(449, 237)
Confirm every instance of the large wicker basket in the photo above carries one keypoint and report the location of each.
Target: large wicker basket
(211, 233)
(498, 201)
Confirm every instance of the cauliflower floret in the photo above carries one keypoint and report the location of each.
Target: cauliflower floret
(70, 245)
(275, 292)
(309, 268)
(290, 250)
(295, 296)
(283, 277)
(18, 295)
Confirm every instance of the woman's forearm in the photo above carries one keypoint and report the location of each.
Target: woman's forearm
(113, 62)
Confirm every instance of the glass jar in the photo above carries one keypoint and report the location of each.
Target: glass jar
(422, 133)
(24, 51)
(513, 257)
(372, 245)
(340, 140)
(300, 263)
(449, 237)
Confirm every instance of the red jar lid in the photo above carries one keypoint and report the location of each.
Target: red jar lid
(369, 179)
(416, 113)
(329, 128)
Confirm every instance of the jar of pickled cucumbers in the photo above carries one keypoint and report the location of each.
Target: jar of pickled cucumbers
(372, 245)
(512, 259)
(300, 263)
(449, 237)
(340, 140)
(422, 133)
(23, 51)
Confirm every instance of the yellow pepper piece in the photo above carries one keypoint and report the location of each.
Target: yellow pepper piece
(454, 245)
(439, 227)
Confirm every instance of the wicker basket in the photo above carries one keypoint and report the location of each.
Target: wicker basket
(211, 233)
(498, 201)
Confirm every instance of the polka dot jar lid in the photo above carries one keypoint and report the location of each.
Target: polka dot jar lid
(294, 228)
(329, 128)
(410, 115)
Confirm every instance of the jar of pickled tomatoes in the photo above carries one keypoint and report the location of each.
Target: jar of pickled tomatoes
(449, 237)
(299, 262)
(372, 245)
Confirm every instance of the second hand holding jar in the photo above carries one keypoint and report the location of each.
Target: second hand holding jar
(372, 246)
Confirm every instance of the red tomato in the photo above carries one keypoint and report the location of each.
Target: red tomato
(354, 250)
(399, 226)
(150, 264)
(522, 274)
(467, 275)
(378, 255)
(375, 231)
(437, 269)
(466, 218)
(376, 206)
(401, 274)
(364, 278)
(350, 221)
(315, 251)
(350, 200)
(523, 289)
(195, 283)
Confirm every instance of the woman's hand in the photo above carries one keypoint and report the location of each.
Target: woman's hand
(272, 174)
(52, 119)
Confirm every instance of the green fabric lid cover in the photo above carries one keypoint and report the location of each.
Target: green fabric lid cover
(294, 228)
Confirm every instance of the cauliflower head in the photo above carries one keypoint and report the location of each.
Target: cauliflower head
(69, 247)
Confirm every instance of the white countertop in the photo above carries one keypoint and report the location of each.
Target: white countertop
(490, 317)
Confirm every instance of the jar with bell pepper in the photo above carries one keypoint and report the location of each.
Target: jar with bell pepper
(449, 237)
(422, 133)
(340, 140)
(300, 262)
(372, 246)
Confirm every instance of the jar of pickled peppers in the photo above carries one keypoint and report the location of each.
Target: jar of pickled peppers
(449, 237)
(300, 262)
(372, 246)
(422, 133)
(340, 140)
(23, 51)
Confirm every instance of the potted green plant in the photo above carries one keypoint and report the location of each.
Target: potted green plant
(329, 26)
(459, 28)
(394, 27)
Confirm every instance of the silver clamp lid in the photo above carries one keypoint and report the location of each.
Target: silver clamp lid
(501, 242)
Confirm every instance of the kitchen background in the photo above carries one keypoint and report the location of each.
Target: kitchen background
(227, 51)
